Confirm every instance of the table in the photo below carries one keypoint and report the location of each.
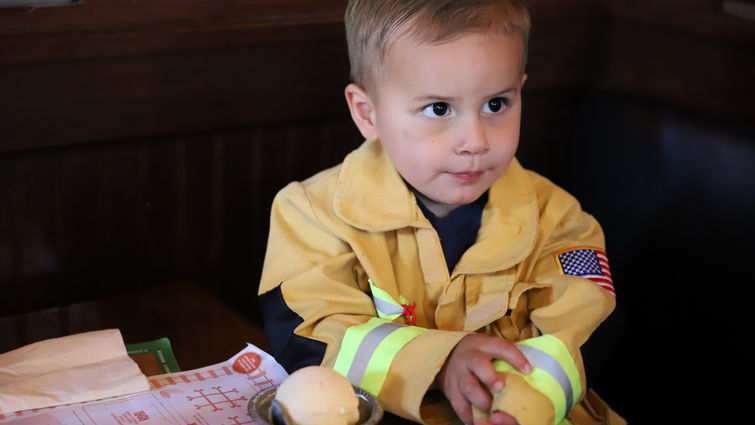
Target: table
(201, 328)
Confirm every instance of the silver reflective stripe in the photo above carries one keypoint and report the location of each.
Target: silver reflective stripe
(387, 308)
(544, 361)
(368, 346)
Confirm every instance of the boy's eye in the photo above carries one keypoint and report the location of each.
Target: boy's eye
(494, 105)
(438, 109)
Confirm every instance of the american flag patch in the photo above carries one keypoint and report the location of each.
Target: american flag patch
(590, 263)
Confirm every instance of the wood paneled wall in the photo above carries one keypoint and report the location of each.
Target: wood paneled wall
(86, 221)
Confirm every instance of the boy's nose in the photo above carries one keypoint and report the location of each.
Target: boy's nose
(473, 140)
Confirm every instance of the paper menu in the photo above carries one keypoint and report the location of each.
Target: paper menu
(213, 395)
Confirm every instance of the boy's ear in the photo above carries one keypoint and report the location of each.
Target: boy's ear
(362, 110)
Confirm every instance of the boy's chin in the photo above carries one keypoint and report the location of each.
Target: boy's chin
(463, 198)
(457, 201)
(448, 199)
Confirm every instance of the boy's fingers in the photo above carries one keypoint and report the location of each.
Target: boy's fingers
(487, 374)
(474, 393)
(502, 418)
(460, 405)
(508, 352)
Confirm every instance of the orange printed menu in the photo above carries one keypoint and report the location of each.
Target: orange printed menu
(213, 395)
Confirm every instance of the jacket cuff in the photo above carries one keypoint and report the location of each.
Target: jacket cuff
(413, 371)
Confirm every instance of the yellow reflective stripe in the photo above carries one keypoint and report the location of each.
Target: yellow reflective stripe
(543, 382)
(367, 351)
(380, 362)
(350, 343)
(384, 304)
(554, 372)
(381, 294)
(557, 349)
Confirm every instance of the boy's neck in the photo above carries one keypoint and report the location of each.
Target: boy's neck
(439, 209)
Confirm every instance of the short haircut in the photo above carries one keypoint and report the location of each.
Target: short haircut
(371, 26)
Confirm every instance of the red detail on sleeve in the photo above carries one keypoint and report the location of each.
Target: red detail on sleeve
(411, 318)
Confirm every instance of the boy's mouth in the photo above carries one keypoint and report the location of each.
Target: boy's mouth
(467, 176)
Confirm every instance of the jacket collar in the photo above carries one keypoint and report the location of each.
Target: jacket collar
(509, 224)
(372, 196)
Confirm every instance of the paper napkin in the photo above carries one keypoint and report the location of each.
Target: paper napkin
(70, 369)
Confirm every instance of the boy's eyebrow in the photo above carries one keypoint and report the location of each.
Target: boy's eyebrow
(502, 92)
(450, 99)
(434, 98)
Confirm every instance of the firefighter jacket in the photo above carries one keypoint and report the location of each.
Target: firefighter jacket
(353, 256)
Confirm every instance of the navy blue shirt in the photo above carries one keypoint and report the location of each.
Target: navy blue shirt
(457, 231)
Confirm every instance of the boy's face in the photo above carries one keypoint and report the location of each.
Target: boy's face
(448, 115)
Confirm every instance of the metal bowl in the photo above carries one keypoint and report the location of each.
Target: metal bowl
(370, 410)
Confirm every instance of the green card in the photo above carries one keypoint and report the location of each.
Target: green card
(154, 357)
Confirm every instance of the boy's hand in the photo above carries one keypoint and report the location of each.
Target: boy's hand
(469, 365)
(498, 418)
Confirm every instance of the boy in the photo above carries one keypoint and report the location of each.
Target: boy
(418, 262)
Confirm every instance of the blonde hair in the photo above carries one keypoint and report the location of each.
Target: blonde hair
(371, 25)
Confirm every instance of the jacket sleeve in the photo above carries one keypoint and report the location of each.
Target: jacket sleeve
(313, 271)
(318, 276)
(564, 312)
